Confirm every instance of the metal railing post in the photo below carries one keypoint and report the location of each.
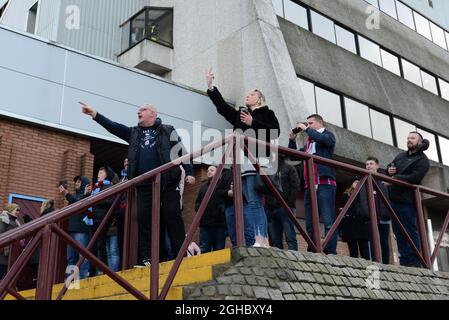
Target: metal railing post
(422, 229)
(375, 237)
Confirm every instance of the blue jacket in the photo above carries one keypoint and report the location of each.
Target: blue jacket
(325, 146)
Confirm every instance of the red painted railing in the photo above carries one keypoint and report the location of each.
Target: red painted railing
(46, 231)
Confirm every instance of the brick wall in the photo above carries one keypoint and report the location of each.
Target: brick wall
(33, 160)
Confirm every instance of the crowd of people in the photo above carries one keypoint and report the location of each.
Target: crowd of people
(265, 220)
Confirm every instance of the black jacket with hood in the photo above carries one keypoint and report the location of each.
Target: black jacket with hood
(76, 223)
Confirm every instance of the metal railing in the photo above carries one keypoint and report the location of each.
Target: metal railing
(46, 231)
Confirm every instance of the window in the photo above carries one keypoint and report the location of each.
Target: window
(402, 131)
(390, 62)
(432, 153)
(323, 27)
(389, 7)
(278, 7)
(422, 25)
(155, 24)
(438, 35)
(374, 3)
(296, 14)
(381, 127)
(444, 147)
(370, 51)
(308, 90)
(345, 39)
(357, 116)
(447, 38)
(32, 17)
(444, 87)
(411, 72)
(429, 82)
(329, 106)
(405, 15)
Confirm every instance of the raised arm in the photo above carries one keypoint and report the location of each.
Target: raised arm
(117, 129)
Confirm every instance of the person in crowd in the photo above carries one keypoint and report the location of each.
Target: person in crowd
(98, 212)
(150, 146)
(8, 221)
(225, 190)
(255, 120)
(383, 215)
(47, 207)
(78, 229)
(410, 166)
(278, 220)
(355, 227)
(213, 222)
(321, 142)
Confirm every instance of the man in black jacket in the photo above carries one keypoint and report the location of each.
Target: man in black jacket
(410, 166)
(150, 146)
(78, 230)
(257, 121)
(213, 222)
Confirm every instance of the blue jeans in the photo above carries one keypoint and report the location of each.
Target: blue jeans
(407, 216)
(73, 256)
(248, 225)
(113, 253)
(212, 239)
(326, 208)
(278, 224)
(254, 200)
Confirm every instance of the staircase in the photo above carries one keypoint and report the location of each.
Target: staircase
(193, 271)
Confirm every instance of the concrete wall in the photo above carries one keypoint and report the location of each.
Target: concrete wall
(242, 41)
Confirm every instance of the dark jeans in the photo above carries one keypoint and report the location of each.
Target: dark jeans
(278, 225)
(212, 239)
(326, 208)
(248, 221)
(171, 220)
(359, 248)
(384, 234)
(73, 255)
(99, 248)
(407, 217)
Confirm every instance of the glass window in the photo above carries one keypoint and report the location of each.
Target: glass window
(345, 39)
(444, 87)
(126, 33)
(429, 82)
(447, 38)
(438, 35)
(411, 72)
(357, 116)
(278, 7)
(444, 147)
(389, 7)
(323, 27)
(381, 127)
(390, 62)
(296, 14)
(402, 131)
(138, 28)
(369, 50)
(308, 90)
(374, 3)
(432, 153)
(329, 106)
(422, 25)
(405, 15)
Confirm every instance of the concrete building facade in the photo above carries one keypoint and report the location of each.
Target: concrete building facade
(375, 69)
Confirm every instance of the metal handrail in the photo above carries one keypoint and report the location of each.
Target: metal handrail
(46, 230)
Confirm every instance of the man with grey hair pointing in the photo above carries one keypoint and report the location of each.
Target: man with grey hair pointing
(150, 145)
